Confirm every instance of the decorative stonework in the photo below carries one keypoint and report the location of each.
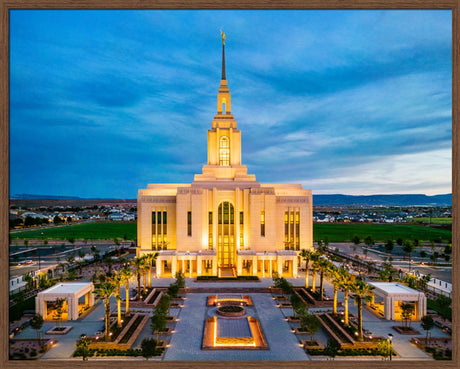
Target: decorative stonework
(157, 199)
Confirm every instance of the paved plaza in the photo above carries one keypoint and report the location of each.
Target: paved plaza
(185, 342)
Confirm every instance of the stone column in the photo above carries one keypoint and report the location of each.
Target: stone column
(72, 308)
(279, 260)
(269, 267)
(294, 266)
(199, 265)
(214, 265)
(159, 266)
(173, 265)
(254, 265)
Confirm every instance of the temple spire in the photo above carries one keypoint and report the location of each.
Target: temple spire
(223, 55)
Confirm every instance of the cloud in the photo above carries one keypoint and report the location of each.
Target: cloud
(317, 95)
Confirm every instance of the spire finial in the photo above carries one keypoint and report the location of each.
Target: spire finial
(223, 55)
(223, 37)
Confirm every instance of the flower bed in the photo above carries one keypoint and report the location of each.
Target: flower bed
(349, 352)
(59, 330)
(230, 310)
(132, 329)
(23, 349)
(405, 330)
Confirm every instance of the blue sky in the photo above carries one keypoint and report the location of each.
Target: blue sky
(353, 102)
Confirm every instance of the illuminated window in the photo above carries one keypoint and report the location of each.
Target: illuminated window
(159, 230)
(297, 230)
(262, 223)
(189, 223)
(241, 230)
(210, 231)
(224, 151)
(292, 229)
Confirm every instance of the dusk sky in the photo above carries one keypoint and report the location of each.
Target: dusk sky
(351, 102)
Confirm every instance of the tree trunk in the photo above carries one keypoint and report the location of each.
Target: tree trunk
(306, 275)
(119, 311)
(313, 287)
(107, 319)
(321, 287)
(335, 300)
(127, 298)
(150, 277)
(345, 302)
(360, 319)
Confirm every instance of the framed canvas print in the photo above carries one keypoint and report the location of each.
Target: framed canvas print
(244, 184)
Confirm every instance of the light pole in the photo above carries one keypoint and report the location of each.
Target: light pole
(390, 340)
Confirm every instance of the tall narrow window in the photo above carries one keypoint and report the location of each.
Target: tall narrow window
(241, 230)
(210, 231)
(262, 223)
(224, 151)
(189, 223)
(286, 230)
(297, 230)
(159, 230)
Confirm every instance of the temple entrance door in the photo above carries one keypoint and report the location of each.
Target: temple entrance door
(226, 236)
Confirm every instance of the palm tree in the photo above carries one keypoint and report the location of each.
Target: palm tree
(346, 282)
(323, 265)
(315, 266)
(333, 275)
(150, 257)
(126, 273)
(138, 264)
(362, 292)
(306, 255)
(117, 280)
(106, 291)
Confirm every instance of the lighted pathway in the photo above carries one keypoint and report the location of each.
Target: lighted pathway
(184, 345)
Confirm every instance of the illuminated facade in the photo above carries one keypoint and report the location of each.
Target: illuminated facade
(224, 223)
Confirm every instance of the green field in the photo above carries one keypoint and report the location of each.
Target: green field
(434, 220)
(336, 232)
(89, 231)
(339, 232)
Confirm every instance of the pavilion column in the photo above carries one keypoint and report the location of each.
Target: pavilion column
(173, 265)
(239, 263)
(191, 267)
(279, 260)
(254, 265)
(72, 308)
(294, 266)
(158, 266)
(199, 265)
(269, 267)
(214, 265)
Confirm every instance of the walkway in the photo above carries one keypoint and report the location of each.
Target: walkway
(282, 343)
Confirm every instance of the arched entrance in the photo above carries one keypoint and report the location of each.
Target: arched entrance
(226, 236)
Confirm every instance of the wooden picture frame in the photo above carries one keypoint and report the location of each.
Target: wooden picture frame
(7, 5)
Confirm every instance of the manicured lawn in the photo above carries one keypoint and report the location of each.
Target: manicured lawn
(340, 232)
(90, 231)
